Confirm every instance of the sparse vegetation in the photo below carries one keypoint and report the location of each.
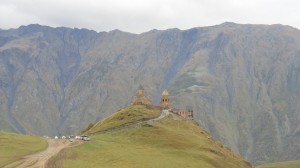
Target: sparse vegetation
(14, 146)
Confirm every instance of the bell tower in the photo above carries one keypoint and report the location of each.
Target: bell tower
(140, 91)
(165, 100)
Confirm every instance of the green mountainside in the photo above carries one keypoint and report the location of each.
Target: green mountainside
(168, 142)
(14, 146)
(287, 164)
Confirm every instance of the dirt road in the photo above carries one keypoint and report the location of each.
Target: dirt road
(38, 160)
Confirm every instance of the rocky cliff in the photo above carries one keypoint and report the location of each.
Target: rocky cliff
(243, 81)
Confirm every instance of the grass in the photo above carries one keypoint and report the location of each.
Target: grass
(130, 114)
(287, 164)
(14, 146)
(168, 143)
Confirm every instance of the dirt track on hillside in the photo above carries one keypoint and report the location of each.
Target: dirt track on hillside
(39, 160)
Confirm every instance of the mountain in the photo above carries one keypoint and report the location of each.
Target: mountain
(166, 140)
(242, 81)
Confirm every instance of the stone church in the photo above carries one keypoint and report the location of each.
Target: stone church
(140, 97)
(165, 103)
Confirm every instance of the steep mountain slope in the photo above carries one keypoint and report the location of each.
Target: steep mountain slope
(241, 80)
(169, 142)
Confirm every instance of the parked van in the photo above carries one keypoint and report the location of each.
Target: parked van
(85, 138)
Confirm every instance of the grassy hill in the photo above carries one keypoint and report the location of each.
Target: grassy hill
(127, 115)
(169, 142)
(287, 164)
(14, 146)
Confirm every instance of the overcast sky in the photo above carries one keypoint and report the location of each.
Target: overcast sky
(138, 16)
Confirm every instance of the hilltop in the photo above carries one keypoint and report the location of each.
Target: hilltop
(162, 140)
(126, 116)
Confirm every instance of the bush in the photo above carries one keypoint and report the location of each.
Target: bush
(91, 125)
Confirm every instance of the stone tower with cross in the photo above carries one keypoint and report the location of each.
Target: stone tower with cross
(165, 100)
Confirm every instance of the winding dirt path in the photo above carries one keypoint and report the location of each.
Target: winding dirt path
(39, 160)
(163, 114)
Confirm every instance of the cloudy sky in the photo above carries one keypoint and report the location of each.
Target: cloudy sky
(143, 15)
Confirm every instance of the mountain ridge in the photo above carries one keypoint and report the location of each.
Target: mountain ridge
(36, 25)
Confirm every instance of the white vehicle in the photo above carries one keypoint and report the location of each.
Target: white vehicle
(85, 138)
